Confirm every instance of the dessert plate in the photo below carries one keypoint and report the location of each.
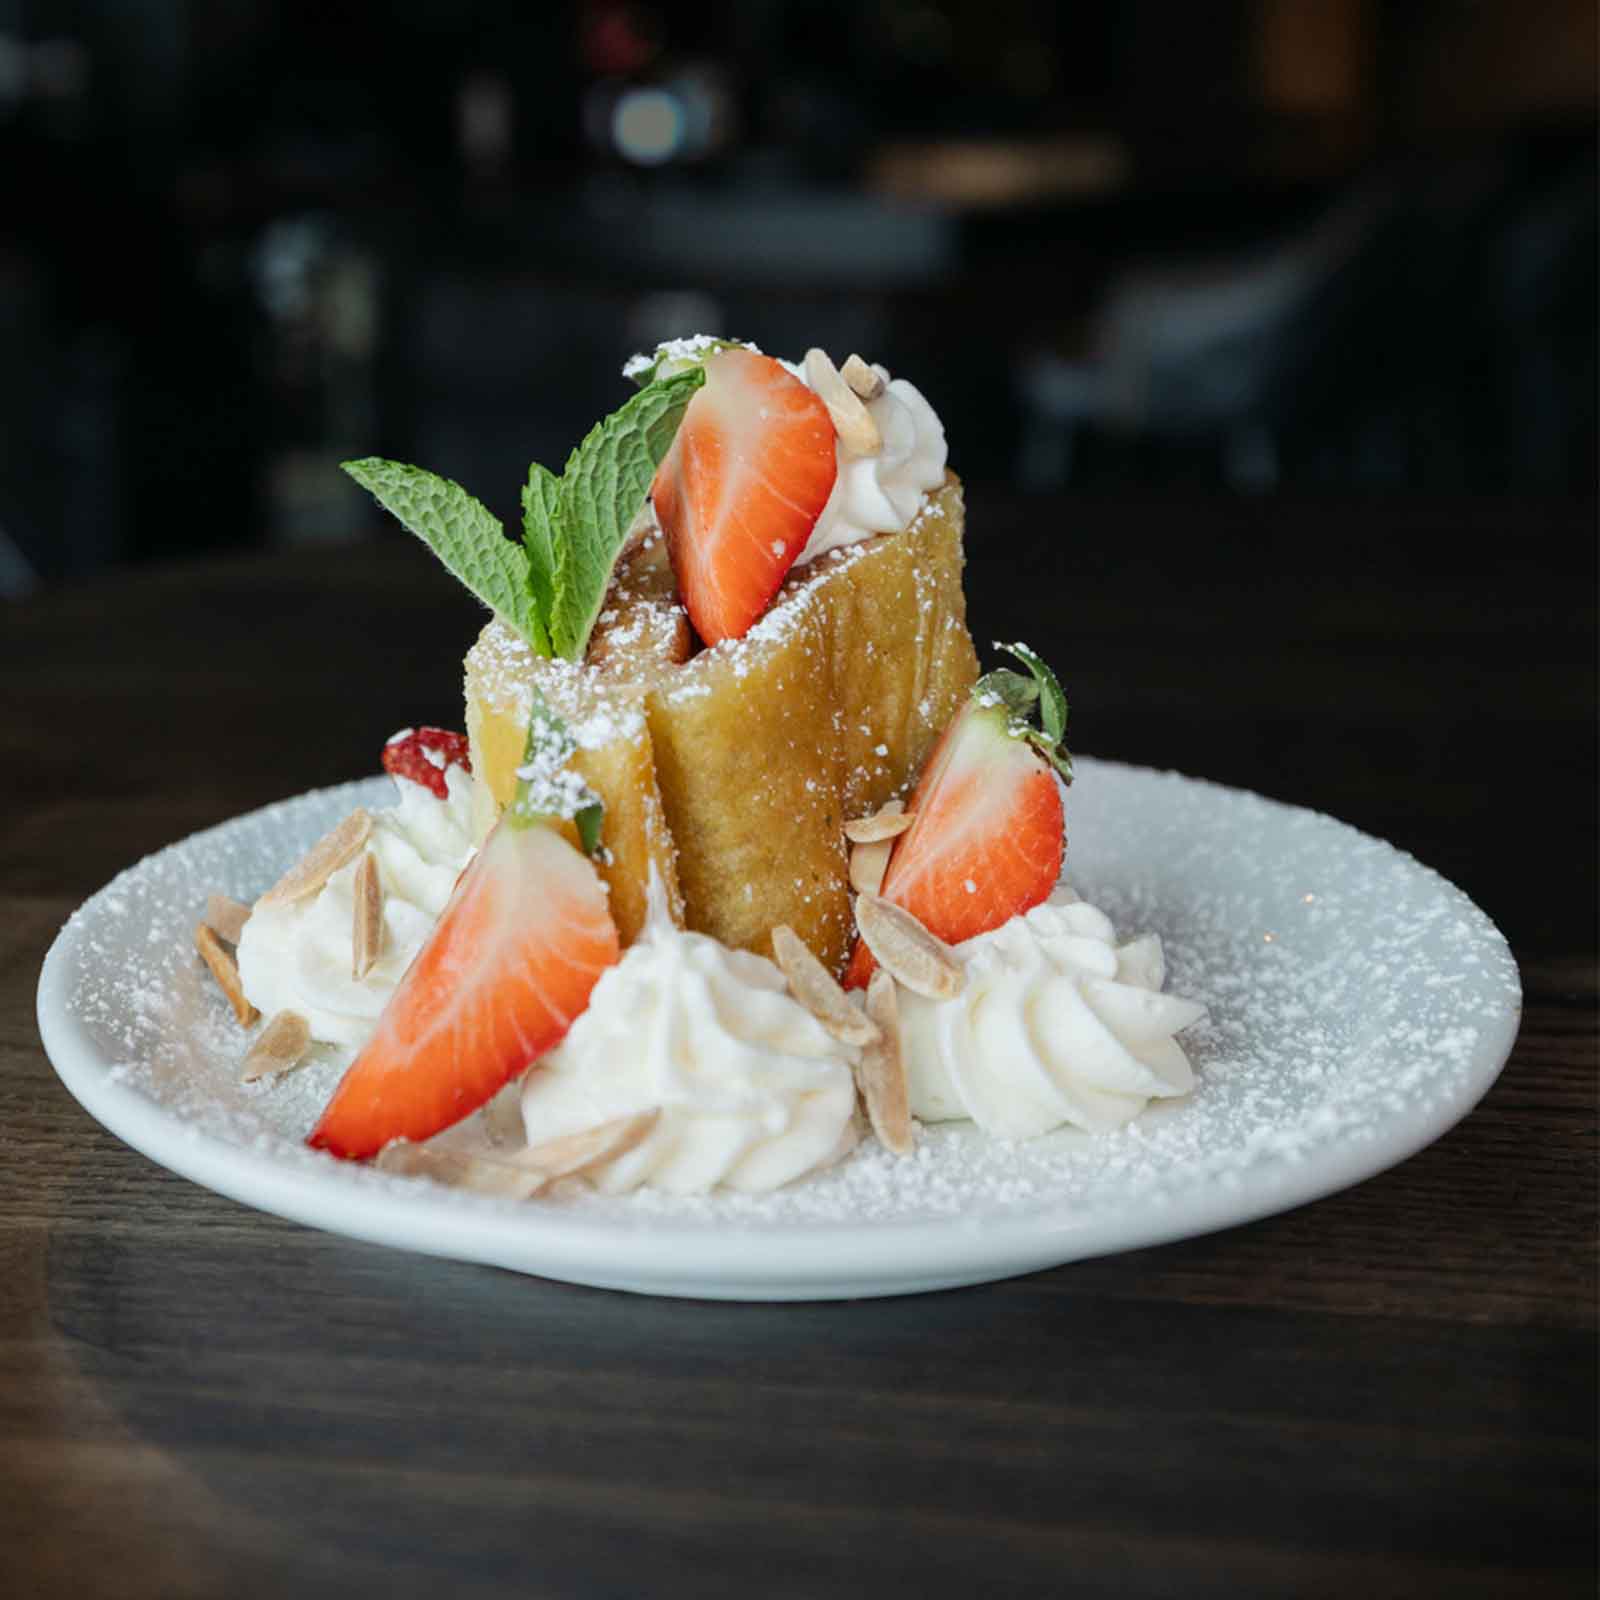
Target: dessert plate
(1359, 1005)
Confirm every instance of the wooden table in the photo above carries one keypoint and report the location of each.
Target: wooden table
(1390, 1392)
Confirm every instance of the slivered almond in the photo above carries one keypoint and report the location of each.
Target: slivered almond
(923, 963)
(882, 1073)
(862, 379)
(888, 822)
(366, 936)
(226, 917)
(518, 1174)
(280, 1045)
(324, 858)
(225, 970)
(858, 433)
(572, 1154)
(461, 1169)
(868, 864)
(813, 986)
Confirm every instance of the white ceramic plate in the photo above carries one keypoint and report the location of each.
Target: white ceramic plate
(1359, 1005)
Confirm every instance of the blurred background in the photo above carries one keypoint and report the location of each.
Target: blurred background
(1324, 248)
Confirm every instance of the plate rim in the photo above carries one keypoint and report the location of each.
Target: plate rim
(730, 1258)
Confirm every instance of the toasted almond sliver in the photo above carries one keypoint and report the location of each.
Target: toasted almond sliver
(862, 379)
(868, 864)
(814, 987)
(226, 917)
(575, 1153)
(461, 1169)
(280, 1045)
(923, 963)
(225, 970)
(882, 1073)
(324, 858)
(888, 822)
(858, 433)
(366, 935)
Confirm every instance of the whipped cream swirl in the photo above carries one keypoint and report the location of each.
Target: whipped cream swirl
(752, 1090)
(881, 493)
(1058, 1023)
(298, 956)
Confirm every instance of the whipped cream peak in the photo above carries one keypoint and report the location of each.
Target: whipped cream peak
(1058, 1024)
(751, 1090)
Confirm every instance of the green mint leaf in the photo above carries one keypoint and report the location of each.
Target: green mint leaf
(540, 495)
(601, 491)
(547, 787)
(677, 356)
(460, 530)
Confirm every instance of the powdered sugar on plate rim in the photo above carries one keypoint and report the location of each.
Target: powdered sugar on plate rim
(1359, 1005)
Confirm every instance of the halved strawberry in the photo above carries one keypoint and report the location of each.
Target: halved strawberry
(740, 490)
(987, 841)
(422, 754)
(523, 939)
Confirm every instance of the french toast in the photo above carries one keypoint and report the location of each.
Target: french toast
(731, 772)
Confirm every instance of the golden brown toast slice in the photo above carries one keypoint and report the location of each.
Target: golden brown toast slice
(734, 772)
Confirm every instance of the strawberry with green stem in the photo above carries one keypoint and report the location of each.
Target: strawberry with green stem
(987, 840)
(508, 968)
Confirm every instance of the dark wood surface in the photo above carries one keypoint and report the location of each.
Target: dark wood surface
(1391, 1392)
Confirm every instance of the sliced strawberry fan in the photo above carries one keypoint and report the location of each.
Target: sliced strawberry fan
(988, 839)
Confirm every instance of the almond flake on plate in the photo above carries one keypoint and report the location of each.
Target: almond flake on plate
(226, 916)
(324, 858)
(924, 963)
(882, 1073)
(814, 987)
(868, 865)
(280, 1045)
(225, 970)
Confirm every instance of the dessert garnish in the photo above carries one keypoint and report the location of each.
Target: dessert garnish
(509, 965)
(818, 990)
(422, 754)
(226, 916)
(987, 839)
(333, 850)
(869, 857)
(742, 487)
(281, 1045)
(366, 926)
(913, 956)
(219, 958)
(519, 1174)
(881, 1073)
(550, 588)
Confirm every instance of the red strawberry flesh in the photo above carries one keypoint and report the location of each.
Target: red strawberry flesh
(987, 842)
(748, 474)
(509, 966)
(422, 754)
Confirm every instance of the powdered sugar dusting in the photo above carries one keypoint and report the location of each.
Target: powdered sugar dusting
(1346, 987)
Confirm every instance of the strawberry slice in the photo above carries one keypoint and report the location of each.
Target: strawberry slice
(523, 939)
(422, 754)
(740, 490)
(987, 841)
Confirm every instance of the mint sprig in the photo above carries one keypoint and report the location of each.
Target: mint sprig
(463, 533)
(605, 483)
(1021, 695)
(549, 588)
